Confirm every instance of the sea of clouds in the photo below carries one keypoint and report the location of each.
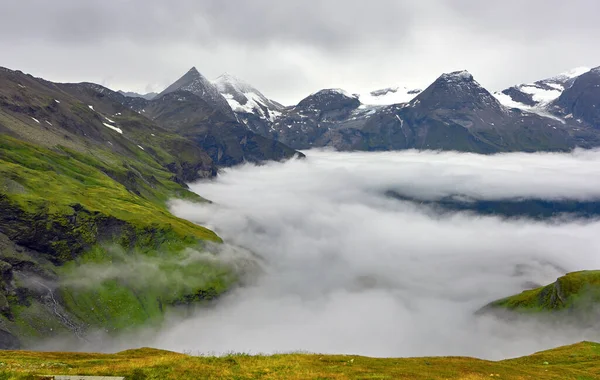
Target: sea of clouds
(347, 269)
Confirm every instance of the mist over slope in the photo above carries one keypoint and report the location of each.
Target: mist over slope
(348, 269)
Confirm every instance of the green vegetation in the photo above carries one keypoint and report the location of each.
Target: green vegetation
(576, 362)
(76, 211)
(136, 289)
(575, 292)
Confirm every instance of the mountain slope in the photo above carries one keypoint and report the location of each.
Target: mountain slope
(246, 100)
(250, 106)
(304, 125)
(581, 101)
(575, 295)
(540, 93)
(193, 108)
(453, 113)
(84, 180)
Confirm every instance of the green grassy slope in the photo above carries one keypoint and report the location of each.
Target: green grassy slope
(575, 292)
(576, 362)
(75, 193)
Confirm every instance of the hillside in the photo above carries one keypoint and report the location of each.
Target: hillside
(84, 183)
(575, 294)
(580, 361)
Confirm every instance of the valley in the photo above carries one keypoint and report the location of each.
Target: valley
(209, 218)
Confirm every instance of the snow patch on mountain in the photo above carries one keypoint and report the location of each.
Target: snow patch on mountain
(542, 92)
(119, 130)
(508, 102)
(243, 98)
(542, 95)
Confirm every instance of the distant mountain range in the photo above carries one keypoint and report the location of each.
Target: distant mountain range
(453, 113)
(233, 122)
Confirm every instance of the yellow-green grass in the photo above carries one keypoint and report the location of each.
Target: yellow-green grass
(97, 208)
(60, 179)
(578, 362)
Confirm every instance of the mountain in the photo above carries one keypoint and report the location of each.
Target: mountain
(197, 84)
(581, 101)
(194, 108)
(85, 176)
(85, 180)
(454, 113)
(574, 296)
(147, 96)
(252, 108)
(227, 141)
(304, 125)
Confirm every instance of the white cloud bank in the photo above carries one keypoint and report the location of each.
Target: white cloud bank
(348, 270)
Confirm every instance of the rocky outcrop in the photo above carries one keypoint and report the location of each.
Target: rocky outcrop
(581, 102)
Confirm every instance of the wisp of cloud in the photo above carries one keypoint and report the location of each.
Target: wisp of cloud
(348, 269)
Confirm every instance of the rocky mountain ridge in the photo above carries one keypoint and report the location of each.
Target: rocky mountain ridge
(454, 113)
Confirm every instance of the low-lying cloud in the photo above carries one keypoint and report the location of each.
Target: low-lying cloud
(349, 270)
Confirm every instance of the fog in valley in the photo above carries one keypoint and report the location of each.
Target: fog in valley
(348, 269)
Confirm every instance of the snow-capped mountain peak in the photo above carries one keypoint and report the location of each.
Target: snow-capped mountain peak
(197, 84)
(246, 99)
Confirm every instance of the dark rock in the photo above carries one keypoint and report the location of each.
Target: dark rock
(520, 96)
(581, 102)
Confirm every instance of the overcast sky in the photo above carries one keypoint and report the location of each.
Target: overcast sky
(291, 48)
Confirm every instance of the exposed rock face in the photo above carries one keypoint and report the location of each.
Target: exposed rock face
(222, 137)
(307, 124)
(453, 113)
(581, 102)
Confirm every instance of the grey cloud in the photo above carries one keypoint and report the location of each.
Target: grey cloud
(291, 48)
(347, 270)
